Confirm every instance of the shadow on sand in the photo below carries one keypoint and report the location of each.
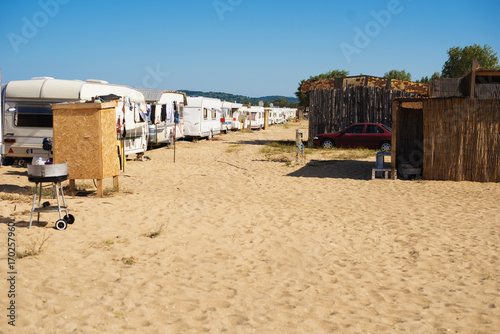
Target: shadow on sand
(23, 223)
(15, 189)
(337, 169)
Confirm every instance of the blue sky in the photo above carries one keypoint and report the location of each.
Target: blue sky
(248, 47)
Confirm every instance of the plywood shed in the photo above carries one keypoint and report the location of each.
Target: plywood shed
(85, 137)
(455, 139)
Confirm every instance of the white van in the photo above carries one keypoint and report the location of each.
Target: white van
(162, 106)
(202, 117)
(28, 113)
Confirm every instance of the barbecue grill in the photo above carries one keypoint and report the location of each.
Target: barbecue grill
(55, 174)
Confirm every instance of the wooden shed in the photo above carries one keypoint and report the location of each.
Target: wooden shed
(453, 138)
(85, 137)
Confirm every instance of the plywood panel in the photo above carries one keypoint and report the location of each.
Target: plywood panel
(85, 137)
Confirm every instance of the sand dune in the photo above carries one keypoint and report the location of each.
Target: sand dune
(251, 245)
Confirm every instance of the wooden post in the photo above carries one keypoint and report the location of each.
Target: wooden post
(100, 191)
(72, 186)
(473, 79)
(116, 183)
(395, 112)
(266, 119)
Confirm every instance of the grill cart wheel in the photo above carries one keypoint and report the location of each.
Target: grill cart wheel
(70, 219)
(61, 224)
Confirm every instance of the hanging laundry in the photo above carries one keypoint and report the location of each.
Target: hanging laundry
(170, 113)
(137, 118)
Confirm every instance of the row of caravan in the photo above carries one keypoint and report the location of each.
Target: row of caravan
(144, 117)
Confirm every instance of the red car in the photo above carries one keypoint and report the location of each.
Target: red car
(367, 135)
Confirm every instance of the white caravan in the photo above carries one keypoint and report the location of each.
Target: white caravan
(202, 117)
(1, 119)
(226, 120)
(257, 115)
(162, 107)
(28, 113)
(237, 116)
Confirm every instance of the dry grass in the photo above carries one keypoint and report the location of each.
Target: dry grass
(35, 246)
(15, 197)
(155, 233)
(129, 260)
(285, 151)
(234, 148)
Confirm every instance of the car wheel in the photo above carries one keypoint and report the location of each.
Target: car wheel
(328, 143)
(385, 146)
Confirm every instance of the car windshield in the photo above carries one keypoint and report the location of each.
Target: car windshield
(388, 128)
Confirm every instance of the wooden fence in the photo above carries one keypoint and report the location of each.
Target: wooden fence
(461, 139)
(452, 139)
(331, 110)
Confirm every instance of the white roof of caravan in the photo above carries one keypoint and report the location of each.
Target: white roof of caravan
(162, 96)
(47, 89)
(198, 101)
(170, 96)
(70, 90)
(90, 90)
(256, 109)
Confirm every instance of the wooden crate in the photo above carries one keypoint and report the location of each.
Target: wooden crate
(85, 137)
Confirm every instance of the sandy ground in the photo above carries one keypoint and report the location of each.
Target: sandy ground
(251, 245)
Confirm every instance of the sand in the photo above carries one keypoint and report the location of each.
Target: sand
(251, 245)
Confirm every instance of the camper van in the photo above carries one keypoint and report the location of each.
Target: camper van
(226, 120)
(28, 113)
(1, 119)
(237, 116)
(257, 115)
(202, 117)
(163, 106)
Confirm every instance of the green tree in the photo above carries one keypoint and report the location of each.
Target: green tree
(398, 75)
(304, 97)
(281, 102)
(267, 104)
(460, 60)
(426, 79)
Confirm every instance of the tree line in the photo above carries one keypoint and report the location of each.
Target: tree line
(458, 64)
(276, 101)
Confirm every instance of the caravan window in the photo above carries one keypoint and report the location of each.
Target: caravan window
(181, 111)
(34, 116)
(205, 113)
(152, 117)
(163, 112)
(214, 114)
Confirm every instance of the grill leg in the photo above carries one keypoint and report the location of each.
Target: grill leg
(58, 202)
(39, 202)
(33, 206)
(64, 200)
